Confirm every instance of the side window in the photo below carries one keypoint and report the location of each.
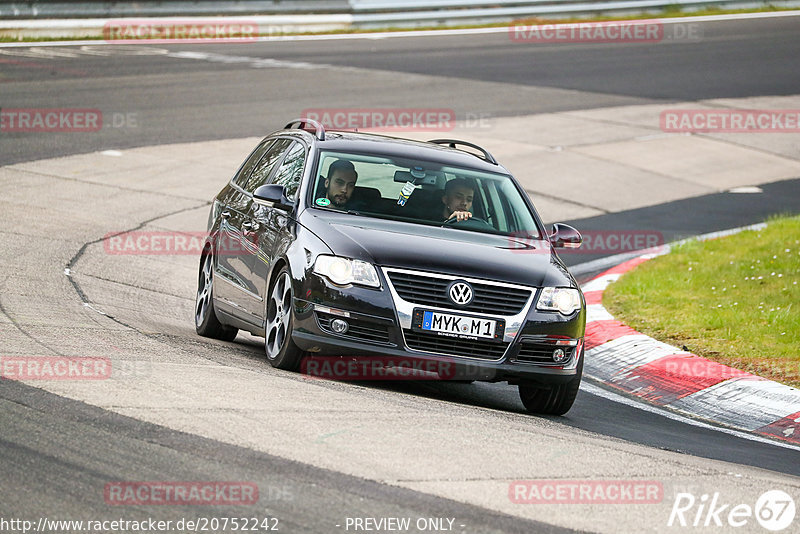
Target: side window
(497, 204)
(291, 170)
(479, 201)
(252, 159)
(262, 170)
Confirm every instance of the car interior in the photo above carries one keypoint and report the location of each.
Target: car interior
(406, 191)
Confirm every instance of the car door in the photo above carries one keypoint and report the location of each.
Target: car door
(246, 300)
(230, 258)
(274, 223)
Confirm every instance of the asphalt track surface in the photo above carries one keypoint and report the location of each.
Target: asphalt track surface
(180, 99)
(82, 448)
(45, 438)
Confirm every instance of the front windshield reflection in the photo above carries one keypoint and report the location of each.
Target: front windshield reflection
(421, 192)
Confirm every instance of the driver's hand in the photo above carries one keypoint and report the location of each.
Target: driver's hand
(461, 215)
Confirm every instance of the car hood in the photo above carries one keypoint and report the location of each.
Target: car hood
(387, 243)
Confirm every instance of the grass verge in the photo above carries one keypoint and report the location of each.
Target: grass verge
(734, 300)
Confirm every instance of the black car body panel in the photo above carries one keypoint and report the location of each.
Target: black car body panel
(445, 250)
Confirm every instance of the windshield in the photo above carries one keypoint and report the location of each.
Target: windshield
(421, 192)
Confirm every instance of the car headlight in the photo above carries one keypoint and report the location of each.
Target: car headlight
(563, 299)
(344, 271)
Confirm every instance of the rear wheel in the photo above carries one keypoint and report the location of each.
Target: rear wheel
(281, 350)
(556, 399)
(205, 318)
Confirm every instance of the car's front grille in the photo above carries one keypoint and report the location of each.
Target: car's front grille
(358, 329)
(485, 350)
(432, 291)
(541, 353)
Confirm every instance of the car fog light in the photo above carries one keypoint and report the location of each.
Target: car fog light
(339, 326)
(559, 355)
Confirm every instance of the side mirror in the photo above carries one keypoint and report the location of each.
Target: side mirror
(565, 236)
(273, 196)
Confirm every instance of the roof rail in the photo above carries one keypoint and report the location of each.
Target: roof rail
(302, 124)
(453, 143)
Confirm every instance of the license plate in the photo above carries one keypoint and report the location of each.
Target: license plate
(458, 326)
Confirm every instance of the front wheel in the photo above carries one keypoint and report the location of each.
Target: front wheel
(205, 318)
(281, 350)
(556, 399)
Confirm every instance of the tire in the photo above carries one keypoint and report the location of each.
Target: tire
(205, 317)
(279, 321)
(556, 399)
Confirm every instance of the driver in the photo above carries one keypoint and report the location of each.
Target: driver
(457, 199)
(340, 183)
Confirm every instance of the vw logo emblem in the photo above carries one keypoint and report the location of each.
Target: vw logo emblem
(460, 293)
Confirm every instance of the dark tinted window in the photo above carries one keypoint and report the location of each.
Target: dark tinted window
(415, 191)
(291, 170)
(252, 159)
(264, 167)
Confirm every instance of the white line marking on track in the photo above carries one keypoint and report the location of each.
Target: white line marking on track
(601, 264)
(101, 312)
(254, 62)
(746, 189)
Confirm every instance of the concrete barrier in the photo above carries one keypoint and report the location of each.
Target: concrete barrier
(86, 18)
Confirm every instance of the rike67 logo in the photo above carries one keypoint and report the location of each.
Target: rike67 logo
(774, 510)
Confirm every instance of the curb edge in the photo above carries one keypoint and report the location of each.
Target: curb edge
(665, 376)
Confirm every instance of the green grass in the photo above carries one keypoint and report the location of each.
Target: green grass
(735, 300)
(671, 11)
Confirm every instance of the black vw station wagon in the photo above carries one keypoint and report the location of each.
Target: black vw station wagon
(358, 246)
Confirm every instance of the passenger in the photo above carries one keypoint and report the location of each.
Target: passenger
(457, 199)
(340, 184)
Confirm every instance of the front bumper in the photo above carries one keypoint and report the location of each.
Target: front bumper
(381, 331)
(455, 368)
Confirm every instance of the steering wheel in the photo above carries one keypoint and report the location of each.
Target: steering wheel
(472, 222)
